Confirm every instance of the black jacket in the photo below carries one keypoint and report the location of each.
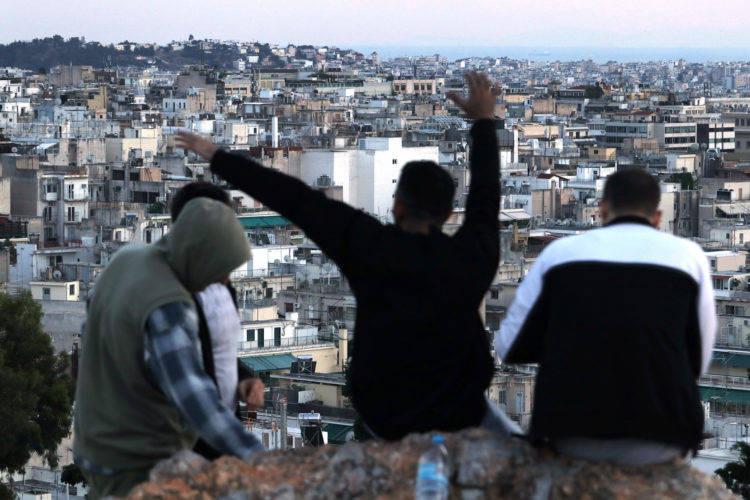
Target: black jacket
(621, 321)
(420, 359)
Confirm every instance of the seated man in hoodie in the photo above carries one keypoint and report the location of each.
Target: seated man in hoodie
(219, 327)
(142, 392)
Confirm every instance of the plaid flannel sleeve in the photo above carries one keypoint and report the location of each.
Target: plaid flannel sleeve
(171, 353)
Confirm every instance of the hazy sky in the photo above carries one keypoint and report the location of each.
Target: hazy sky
(672, 23)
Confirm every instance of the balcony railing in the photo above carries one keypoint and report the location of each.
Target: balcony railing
(732, 294)
(725, 381)
(258, 303)
(283, 344)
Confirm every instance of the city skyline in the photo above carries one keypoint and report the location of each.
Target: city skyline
(417, 24)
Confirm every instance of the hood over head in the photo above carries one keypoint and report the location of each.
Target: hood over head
(205, 244)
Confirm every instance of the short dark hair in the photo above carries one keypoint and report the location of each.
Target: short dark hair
(197, 190)
(426, 191)
(632, 191)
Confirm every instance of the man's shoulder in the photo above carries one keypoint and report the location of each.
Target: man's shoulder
(637, 244)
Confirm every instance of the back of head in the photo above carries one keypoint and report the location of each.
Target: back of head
(426, 191)
(632, 192)
(196, 190)
(206, 243)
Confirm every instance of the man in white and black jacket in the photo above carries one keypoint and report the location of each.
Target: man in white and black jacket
(621, 321)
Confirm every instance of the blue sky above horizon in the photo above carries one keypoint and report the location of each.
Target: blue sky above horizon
(543, 23)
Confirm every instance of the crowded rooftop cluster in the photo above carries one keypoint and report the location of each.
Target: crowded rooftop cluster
(276, 247)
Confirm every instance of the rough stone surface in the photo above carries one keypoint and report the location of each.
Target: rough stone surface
(484, 466)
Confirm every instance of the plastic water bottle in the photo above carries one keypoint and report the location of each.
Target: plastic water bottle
(432, 475)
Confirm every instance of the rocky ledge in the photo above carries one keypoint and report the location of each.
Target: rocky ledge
(485, 466)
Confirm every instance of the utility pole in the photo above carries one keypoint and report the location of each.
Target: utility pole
(283, 423)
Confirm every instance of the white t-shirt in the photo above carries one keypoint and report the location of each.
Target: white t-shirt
(224, 328)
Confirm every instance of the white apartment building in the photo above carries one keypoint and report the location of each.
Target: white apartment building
(64, 204)
(368, 175)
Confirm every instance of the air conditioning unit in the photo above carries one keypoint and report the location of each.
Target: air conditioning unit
(297, 305)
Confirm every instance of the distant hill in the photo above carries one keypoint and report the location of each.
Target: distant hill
(52, 51)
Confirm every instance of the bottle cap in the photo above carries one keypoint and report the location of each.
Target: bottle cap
(438, 439)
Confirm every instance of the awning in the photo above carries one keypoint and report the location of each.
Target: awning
(269, 363)
(731, 358)
(264, 222)
(720, 395)
(337, 433)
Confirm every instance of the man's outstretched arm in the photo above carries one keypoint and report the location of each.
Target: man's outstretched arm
(331, 224)
(480, 227)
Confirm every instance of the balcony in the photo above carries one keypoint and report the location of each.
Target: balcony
(732, 294)
(724, 381)
(49, 197)
(284, 345)
(76, 197)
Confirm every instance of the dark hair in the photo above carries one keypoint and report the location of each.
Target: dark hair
(197, 190)
(426, 191)
(632, 191)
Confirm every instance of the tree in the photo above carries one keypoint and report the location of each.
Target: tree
(736, 475)
(72, 475)
(6, 493)
(156, 208)
(685, 179)
(36, 389)
(13, 252)
(360, 433)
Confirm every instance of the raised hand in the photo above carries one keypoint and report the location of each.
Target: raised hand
(480, 103)
(197, 144)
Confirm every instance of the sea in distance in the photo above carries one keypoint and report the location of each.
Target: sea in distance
(550, 54)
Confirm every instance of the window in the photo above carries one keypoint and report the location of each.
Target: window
(350, 314)
(71, 191)
(494, 294)
(288, 307)
(46, 295)
(502, 399)
(394, 161)
(735, 310)
(250, 335)
(72, 290)
(520, 402)
(71, 214)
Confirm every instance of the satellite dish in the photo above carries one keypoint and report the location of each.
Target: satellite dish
(327, 268)
(287, 258)
(57, 274)
(300, 276)
(276, 262)
(14, 149)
